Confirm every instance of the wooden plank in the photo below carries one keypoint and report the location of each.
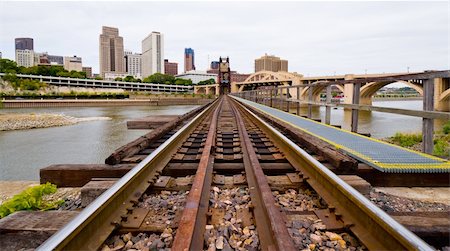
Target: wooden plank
(29, 229)
(427, 123)
(355, 101)
(77, 175)
(413, 113)
(150, 122)
(327, 108)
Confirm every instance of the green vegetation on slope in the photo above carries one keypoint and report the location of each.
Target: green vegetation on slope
(30, 199)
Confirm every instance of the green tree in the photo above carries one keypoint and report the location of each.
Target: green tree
(118, 79)
(129, 79)
(159, 78)
(7, 65)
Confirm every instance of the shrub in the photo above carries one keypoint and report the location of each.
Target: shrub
(446, 128)
(30, 199)
(407, 140)
(441, 147)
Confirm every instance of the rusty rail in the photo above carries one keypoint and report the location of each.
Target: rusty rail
(89, 229)
(193, 220)
(271, 225)
(376, 229)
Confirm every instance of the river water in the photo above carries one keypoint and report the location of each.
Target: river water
(24, 152)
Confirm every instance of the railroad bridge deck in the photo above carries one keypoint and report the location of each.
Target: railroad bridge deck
(378, 154)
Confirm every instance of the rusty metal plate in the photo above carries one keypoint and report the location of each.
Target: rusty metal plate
(162, 181)
(217, 215)
(219, 179)
(294, 177)
(239, 179)
(329, 219)
(245, 215)
(136, 218)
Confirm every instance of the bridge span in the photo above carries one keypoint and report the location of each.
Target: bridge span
(364, 86)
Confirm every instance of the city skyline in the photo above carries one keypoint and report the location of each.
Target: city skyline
(408, 34)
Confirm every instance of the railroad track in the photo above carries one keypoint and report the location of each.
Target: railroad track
(227, 180)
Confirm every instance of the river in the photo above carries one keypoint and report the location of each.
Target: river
(24, 152)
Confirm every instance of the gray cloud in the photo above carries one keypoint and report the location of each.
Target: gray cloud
(316, 37)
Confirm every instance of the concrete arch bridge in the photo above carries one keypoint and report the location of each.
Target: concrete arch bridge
(267, 79)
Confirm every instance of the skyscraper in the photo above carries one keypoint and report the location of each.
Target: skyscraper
(24, 43)
(111, 51)
(153, 54)
(270, 63)
(189, 63)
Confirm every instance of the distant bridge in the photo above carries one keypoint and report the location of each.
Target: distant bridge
(369, 85)
(93, 83)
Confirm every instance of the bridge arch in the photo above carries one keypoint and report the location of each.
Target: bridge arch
(445, 95)
(368, 90)
(317, 90)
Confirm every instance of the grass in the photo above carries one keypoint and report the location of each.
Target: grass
(30, 199)
(406, 139)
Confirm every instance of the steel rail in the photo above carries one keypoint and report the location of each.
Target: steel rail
(270, 224)
(89, 229)
(376, 229)
(193, 219)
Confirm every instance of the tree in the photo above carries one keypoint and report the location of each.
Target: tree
(129, 79)
(159, 78)
(7, 65)
(118, 79)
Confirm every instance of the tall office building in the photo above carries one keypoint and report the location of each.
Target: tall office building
(133, 64)
(111, 51)
(73, 63)
(153, 54)
(170, 68)
(24, 43)
(25, 58)
(270, 63)
(189, 60)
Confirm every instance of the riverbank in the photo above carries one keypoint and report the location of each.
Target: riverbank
(160, 101)
(23, 121)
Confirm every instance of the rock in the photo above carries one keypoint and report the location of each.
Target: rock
(312, 246)
(248, 241)
(118, 244)
(333, 236)
(246, 231)
(315, 238)
(106, 248)
(227, 216)
(157, 244)
(127, 237)
(219, 242)
(212, 247)
(128, 245)
(209, 227)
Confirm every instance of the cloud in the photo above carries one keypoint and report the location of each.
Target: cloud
(316, 37)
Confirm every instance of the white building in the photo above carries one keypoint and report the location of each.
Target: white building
(114, 75)
(25, 58)
(73, 63)
(134, 65)
(153, 54)
(197, 76)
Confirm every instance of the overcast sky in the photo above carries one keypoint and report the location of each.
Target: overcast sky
(317, 38)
